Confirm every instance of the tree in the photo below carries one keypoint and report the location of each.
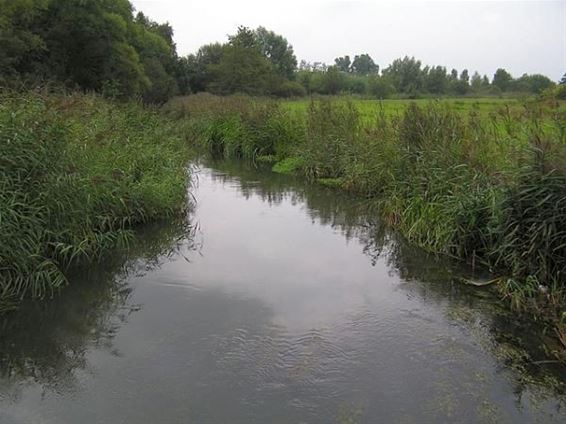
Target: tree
(453, 75)
(244, 38)
(476, 82)
(242, 67)
(502, 79)
(333, 81)
(343, 63)
(464, 76)
(278, 51)
(21, 47)
(563, 79)
(198, 66)
(405, 75)
(89, 44)
(379, 87)
(364, 65)
(535, 83)
(436, 80)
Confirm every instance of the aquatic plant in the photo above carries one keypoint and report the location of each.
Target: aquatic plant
(76, 174)
(484, 186)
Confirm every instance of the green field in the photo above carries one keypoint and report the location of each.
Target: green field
(393, 107)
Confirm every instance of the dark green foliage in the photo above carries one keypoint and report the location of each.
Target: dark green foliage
(535, 83)
(256, 62)
(405, 75)
(76, 173)
(364, 65)
(343, 63)
(502, 79)
(94, 45)
(278, 51)
(379, 87)
(241, 70)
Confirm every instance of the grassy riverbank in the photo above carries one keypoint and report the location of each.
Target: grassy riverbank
(77, 173)
(482, 182)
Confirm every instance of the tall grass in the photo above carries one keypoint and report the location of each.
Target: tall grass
(487, 188)
(76, 174)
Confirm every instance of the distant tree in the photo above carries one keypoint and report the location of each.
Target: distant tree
(343, 63)
(453, 75)
(380, 87)
(183, 72)
(485, 82)
(240, 70)
(364, 65)
(198, 66)
(436, 80)
(356, 84)
(333, 81)
(502, 79)
(464, 76)
(278, 51)
(563, 79)
(534, 83)
(305, 77)
(476, 82)
(244, 38)
(405, 75)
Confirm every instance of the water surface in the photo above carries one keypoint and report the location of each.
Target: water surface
(279, 302)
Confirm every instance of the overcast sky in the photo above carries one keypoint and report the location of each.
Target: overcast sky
(521, 36)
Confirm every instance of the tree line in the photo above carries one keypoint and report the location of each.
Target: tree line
(95, 45)
(103, 46)
(407, 77)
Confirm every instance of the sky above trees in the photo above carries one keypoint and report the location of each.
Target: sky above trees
(522, 36)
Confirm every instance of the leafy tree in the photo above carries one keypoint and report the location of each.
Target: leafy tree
(405, 74)
(198, 66)
(502, 79)
(379, 87)
(242, 67)
(91, 44)
(343, 63)
(563, 79)
(436, 80)
(20, 46)
(476, 82)
(464, 76)
(278, 51)
(535, 83)
(244, 38)
(356, 84)
(333, 81)
(453, 75)
(364, 65)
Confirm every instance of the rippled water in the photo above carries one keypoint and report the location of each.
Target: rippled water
(278, 302)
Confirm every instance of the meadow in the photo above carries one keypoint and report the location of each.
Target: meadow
(480, 180)
(394, 107)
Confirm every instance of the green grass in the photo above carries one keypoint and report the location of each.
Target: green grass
(76, 174)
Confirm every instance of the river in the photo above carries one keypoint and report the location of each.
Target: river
(274, 301)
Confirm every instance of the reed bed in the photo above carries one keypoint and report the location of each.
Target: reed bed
(77, 173)
(486, 187)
